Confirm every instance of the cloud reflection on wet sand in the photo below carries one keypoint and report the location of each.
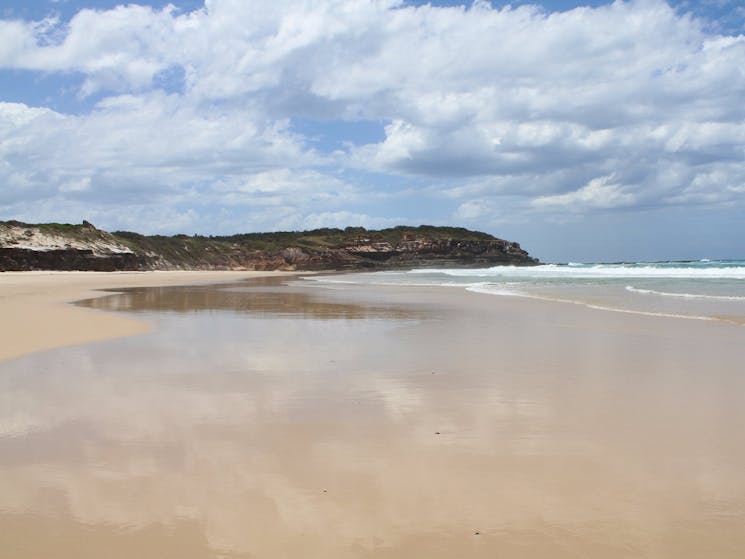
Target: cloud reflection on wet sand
(381, 429)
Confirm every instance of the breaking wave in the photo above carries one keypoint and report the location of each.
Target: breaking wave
(687, 270)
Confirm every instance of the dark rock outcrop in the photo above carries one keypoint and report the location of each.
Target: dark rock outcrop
(70, 259)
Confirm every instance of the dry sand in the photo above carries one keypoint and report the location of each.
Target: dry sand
(34, 315)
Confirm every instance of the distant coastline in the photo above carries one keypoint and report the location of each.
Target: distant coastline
(54, 246)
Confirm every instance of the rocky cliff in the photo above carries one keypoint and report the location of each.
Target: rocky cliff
(84, 247)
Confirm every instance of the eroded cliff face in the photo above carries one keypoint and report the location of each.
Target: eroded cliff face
(365, 253)
(71, 259)
(26, 247)
(83, 247)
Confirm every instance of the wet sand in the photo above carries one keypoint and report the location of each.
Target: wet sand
(35, 318)
(261, 420)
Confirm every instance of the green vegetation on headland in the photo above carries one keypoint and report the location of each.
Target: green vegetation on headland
(316, 239)
(63, 246)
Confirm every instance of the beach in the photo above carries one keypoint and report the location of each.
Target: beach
(279, 417)
(35, 316)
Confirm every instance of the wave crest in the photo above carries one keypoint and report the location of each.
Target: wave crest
(597, 271)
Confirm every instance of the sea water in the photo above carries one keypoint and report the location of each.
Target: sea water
(701, 290)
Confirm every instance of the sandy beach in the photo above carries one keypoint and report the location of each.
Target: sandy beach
(35, 315)
(269, 420)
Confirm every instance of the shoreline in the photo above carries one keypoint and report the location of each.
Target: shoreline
(38, 314)
(706, 297)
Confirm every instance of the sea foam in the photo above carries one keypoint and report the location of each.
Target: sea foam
(596, 271)
(702, 296)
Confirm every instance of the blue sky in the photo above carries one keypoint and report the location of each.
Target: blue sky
(584, 130)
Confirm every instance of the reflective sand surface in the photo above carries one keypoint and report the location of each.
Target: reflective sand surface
(267, 421)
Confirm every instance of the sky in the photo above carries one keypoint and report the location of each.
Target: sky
(586, 131)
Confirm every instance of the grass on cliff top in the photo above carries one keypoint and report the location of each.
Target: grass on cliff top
(77, 231)
(59, 228)
(179, 248)
(338, 238)
(317, 239)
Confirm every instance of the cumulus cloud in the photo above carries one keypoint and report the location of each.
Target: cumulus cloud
(630, 104)
(598, 193)
(343, 219)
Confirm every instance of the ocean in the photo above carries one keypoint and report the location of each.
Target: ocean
(699, 290)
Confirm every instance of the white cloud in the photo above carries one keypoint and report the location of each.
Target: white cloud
(79, 185)
(472, 209)
(118, 50)
(543, 108)
(154, 139)
(598, 193)
(17, 37)
(343, 219)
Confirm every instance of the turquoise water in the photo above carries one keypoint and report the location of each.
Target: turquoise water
(703, 290)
